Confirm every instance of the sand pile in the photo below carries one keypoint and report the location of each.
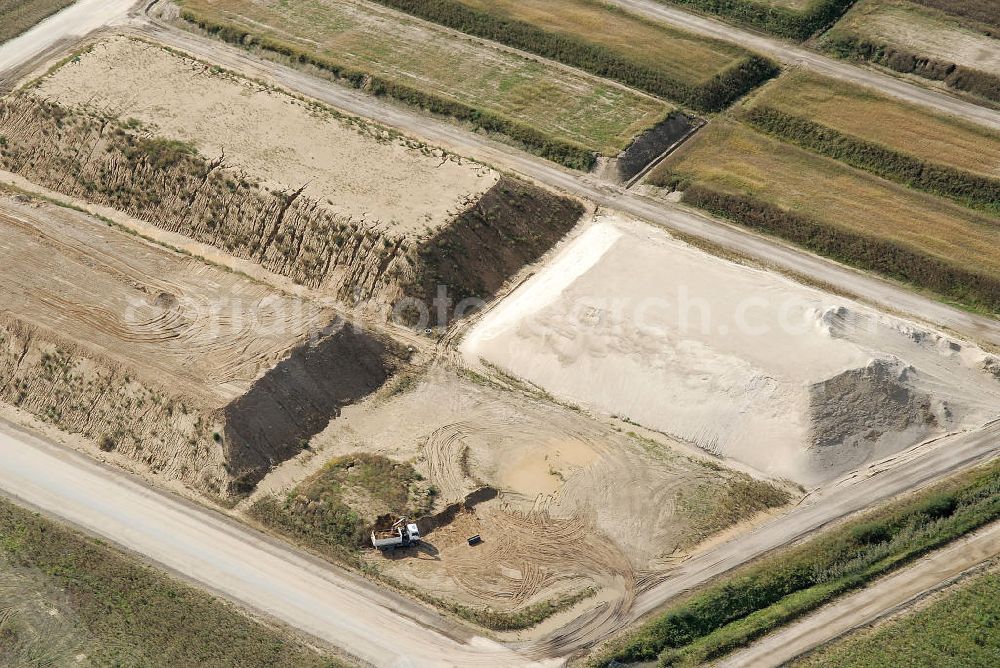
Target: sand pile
(738, 361)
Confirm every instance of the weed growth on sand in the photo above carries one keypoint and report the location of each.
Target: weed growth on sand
(17, 16)
(781, 587)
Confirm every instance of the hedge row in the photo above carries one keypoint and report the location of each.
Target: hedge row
(714, 95)
(783, 21)
(540, 143)
(959, 77)
(970, 189)
(879, 255)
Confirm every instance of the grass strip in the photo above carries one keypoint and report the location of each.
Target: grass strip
(959, 77)
(781, 587)
(132, 614)
(958, 629)
(715, 94)
(970, 189)
(783, 21)
(534, 141)
(870, 253)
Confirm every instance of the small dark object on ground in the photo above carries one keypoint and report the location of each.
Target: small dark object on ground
(475, 540)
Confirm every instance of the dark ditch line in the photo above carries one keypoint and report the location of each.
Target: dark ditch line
(653, 146)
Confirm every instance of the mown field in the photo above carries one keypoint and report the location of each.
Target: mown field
(16, 16)
(863, 113)
(928, 39)
(833, 209)
(959, 628)
(797, 19)
(789, 583)
(560, 104)
(63, 596)
(984, 11)
(701, 73)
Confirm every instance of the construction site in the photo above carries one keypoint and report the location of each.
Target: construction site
(522, 372)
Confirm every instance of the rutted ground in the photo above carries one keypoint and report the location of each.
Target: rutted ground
(792, 381)
(168, 364)
(332, 202)
(578, 507)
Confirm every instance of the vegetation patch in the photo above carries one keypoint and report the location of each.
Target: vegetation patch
(559, 114)
(128, 613)
(774, 17)
(959, 628)
(781, 587)
(970, 189)
(17, 16)
(984, 11)
(703, 74)
(833, 209)
(332, 512)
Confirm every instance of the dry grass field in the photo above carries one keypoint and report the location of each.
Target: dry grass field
(562, 103)
(17, 16)
(863, 113)
(688, 57)
(730, 157)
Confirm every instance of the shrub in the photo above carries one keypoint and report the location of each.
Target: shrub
(783, 21)
(971, 189)
(720, 91)
(959, 77)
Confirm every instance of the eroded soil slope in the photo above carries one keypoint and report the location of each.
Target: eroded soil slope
(167, 364)
(330, 201)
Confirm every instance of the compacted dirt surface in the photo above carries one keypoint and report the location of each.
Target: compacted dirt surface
(169, 364)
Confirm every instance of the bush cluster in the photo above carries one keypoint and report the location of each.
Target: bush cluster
(880, 255)
(753, 602)
(714, 95)
(959, 77)
(535, 141)
(971, 189)
(783, 21)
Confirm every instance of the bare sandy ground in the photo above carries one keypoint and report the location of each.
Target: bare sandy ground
(626, 506)
(180, 323)
(738, 361)
(372, 175)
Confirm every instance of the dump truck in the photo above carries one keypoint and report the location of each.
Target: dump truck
(389, 534)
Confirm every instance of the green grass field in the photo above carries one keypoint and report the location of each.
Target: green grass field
(563, 104)
(17, 16)
(64, 596)
(959, 628)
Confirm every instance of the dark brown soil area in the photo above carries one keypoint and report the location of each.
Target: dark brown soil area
(512, 225)
(652, 143)
(296, 400)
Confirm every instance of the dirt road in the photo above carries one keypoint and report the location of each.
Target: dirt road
(794, 55)
(878, 482)
(75, 21)
(236, 562)
(883, 598)
(674, 217)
